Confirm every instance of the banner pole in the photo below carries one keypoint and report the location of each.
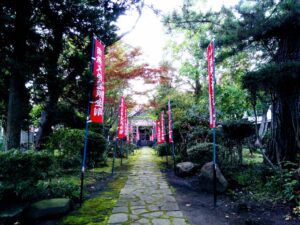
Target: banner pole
(214, 129)
(116, 142)
(214, 167)
(84, 160)
(167, 146)
(121, 151)
(173, 146)
(126, 147)
(114, 156)
(86, 125)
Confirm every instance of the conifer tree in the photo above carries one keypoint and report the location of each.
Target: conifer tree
(269, 28)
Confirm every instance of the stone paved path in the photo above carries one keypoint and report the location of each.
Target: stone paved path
(146, 197)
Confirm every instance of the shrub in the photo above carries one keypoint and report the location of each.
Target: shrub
(21, 171)
(287, 183)
(163, 150)
(58, 188)
(203, 153)
(234, 133)
(68, 147)
(237, 130)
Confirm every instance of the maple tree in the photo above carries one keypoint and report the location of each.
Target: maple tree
(123, 64)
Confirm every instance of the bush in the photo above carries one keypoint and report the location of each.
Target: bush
(58, 188)
(68, 147)
(21, 171)
(131, 148)
(203, 153)
(287, 183)
(234, 133)
(237, 130)
(163, 150)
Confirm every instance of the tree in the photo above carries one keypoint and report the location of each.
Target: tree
(268, 29)
(189, 54)
(78, 21)
(34, 37)
(124, 64)
(18, 95)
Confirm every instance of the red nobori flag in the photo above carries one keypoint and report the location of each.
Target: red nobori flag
(137, 134)
(170, 123)
(211, 91)
(163, 130)
(121, 122)
(98, 94)
(158, 132)
(126, 122)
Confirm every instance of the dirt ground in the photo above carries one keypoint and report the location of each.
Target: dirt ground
(198, 207)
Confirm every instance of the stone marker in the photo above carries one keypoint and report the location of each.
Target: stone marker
(185, 169)
(48, 207)
(206, 179)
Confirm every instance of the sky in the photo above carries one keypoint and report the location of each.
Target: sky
(149, 33)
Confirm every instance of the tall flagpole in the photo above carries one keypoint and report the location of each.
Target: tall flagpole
(172, 135)
(116, 142)
(214, 131)
(86, 126)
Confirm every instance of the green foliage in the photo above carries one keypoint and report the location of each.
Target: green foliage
(203, 153)
(237, 130)
(287, 184)
(97, 210)
(283, 77)
(231, 101)
(163, 150)
(21, 172)
(68, 146)
(58, 188)
(131, 147)
(35, 114)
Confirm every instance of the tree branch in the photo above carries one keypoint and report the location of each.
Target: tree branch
(139, 9)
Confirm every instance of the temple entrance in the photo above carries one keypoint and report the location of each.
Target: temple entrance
(145, 136)
(142, 128)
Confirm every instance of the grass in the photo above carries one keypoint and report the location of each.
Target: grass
(255, 158)
(96, 211)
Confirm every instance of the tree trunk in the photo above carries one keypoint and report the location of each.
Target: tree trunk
(284, 143)
(285, 125)
(18, 100)
(197, 90)
(54, 88)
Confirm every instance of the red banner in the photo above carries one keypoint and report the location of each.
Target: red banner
(211, 91)
(126, 122)
(137, 134)
(170, 123)
(158, 132)
(163, 130)
(121, 122)
(98, 94)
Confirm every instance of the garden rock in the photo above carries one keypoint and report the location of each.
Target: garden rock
(10, 212)
(185, 169)
(49, 207)
(206, 179)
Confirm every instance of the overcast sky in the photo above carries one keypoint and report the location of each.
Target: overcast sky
(149, 34)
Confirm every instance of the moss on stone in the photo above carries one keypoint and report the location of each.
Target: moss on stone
(97, 211)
